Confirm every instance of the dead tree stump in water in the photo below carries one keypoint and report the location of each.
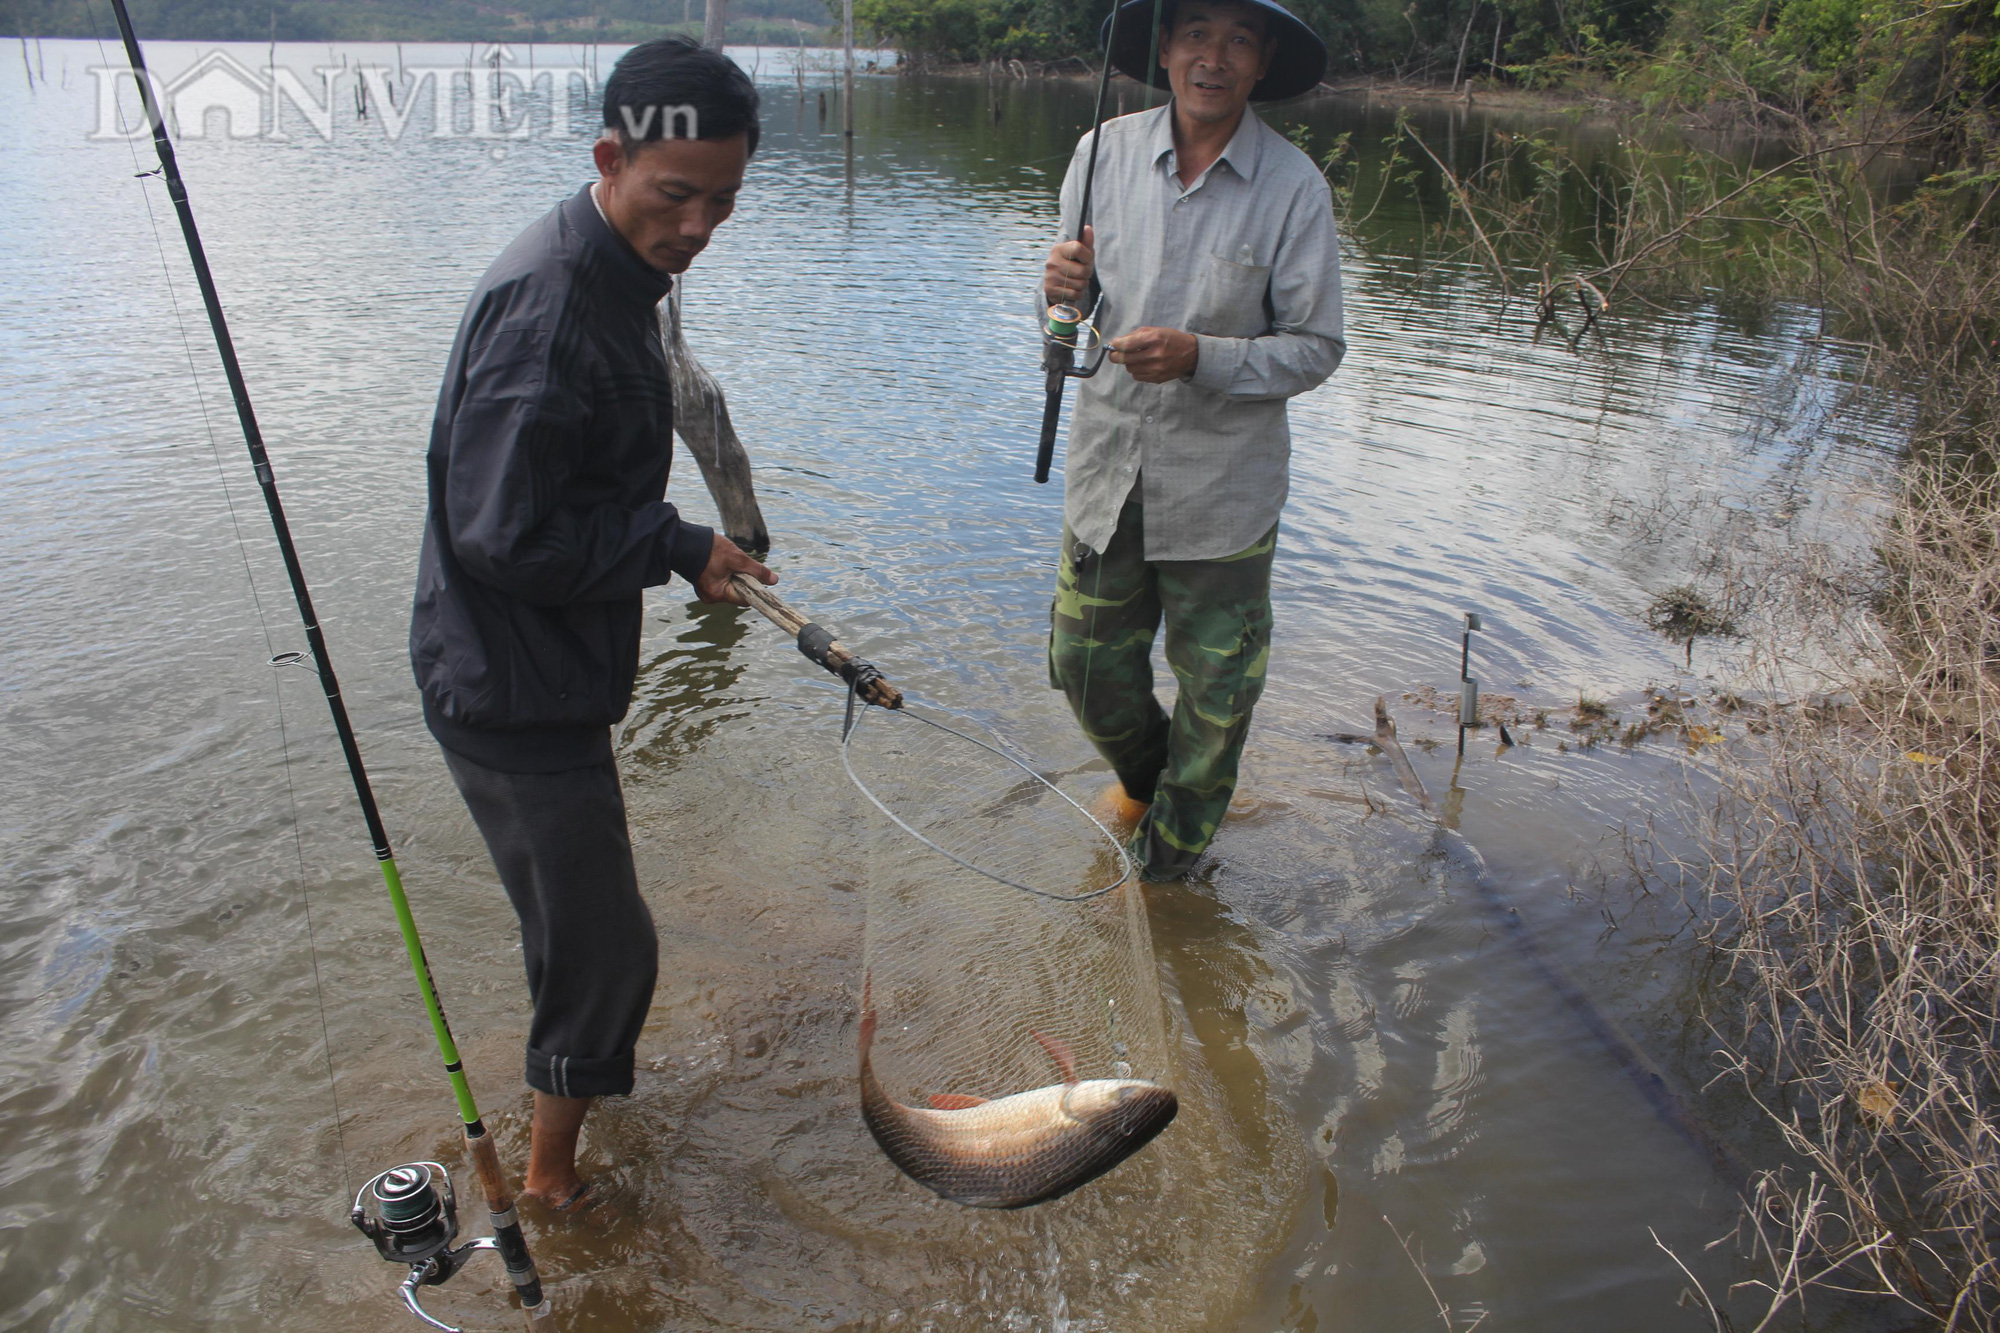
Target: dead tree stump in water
(701, 419)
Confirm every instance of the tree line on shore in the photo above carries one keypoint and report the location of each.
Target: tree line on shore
(1830, 50)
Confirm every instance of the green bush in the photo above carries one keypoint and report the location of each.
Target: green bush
(1821, 34)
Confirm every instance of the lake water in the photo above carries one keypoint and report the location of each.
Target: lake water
(1382, 1099)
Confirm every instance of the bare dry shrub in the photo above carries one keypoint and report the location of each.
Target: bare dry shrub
(1854, 852)
(1850, 857)
(1884, 218)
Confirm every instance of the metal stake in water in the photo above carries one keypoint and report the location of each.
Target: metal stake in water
(1468, 688)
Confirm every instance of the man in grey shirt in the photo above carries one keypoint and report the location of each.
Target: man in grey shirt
(1215, 265)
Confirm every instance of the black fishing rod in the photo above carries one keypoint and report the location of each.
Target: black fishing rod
(1065, 331)
(402, 1210)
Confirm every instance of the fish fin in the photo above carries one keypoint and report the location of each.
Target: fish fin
(1059, 1052)
(955, 1101)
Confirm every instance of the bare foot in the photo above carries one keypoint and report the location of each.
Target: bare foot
(576, 1201)
(552, 1178)
(1117, 811)
(600, 1204)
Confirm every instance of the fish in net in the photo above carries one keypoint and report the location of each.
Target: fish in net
(1012, 1045)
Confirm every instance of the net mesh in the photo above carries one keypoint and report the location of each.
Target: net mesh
(968, 795)
(1002, 921)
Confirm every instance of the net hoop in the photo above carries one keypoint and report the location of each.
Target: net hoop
(1125, 867)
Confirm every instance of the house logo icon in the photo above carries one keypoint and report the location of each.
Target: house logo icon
(217, 96)
(217, 83)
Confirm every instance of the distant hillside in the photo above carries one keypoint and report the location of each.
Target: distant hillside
(784, 22)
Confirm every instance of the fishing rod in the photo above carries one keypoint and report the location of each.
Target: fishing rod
(409, 1212)
(1065, 331)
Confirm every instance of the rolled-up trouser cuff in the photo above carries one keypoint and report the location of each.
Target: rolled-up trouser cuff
(577, 1076)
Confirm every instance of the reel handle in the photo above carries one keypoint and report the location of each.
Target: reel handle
(438, 1271)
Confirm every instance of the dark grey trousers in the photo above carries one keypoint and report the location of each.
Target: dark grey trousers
(560, 844)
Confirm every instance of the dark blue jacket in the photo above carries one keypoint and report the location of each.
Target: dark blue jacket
(548, 463)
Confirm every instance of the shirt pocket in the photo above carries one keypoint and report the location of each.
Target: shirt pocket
(1229, 299)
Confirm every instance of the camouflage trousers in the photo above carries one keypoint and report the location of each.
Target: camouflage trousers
(1107, 611)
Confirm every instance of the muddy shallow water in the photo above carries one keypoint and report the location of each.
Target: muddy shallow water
(1377, 1087)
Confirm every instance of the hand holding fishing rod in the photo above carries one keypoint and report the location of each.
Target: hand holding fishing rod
(1065, 330)
(727, 563)
(1071, 268)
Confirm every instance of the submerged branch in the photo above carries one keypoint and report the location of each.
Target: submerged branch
(1458, 194)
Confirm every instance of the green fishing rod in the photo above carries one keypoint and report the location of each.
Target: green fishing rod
(404, 1211)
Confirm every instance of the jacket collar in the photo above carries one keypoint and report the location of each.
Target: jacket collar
(633, 277)
(1242, 152)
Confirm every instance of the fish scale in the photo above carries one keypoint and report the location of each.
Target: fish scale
(1018, 1150)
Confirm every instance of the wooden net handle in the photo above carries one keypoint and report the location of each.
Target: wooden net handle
(877, 690)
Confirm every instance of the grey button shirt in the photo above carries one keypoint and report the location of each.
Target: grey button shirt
(1246, 259)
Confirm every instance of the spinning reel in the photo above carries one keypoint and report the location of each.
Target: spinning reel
(1065, 334)
(1066, 327)
(412, 1221)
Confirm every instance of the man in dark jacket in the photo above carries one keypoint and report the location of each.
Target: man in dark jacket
(548, 463)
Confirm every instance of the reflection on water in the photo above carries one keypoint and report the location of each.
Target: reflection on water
(684, 690)
(1364, 1061)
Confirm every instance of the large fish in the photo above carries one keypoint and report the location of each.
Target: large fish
(1013, 1151)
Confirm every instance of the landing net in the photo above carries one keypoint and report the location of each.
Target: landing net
(975, 800)
(1006, 931)
(1012, 1042)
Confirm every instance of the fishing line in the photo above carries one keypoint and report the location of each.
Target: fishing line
(312, 942)
(1097, 574)
(1090, 637)
(1153, 54)
(256, 600)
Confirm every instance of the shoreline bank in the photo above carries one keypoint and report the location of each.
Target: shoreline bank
(1479, 93)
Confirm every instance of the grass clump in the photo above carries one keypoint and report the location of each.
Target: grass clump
(1683, 613)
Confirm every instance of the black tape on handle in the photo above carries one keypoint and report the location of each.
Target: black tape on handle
(514, 1253)
(815, 641)
(1057, 361)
